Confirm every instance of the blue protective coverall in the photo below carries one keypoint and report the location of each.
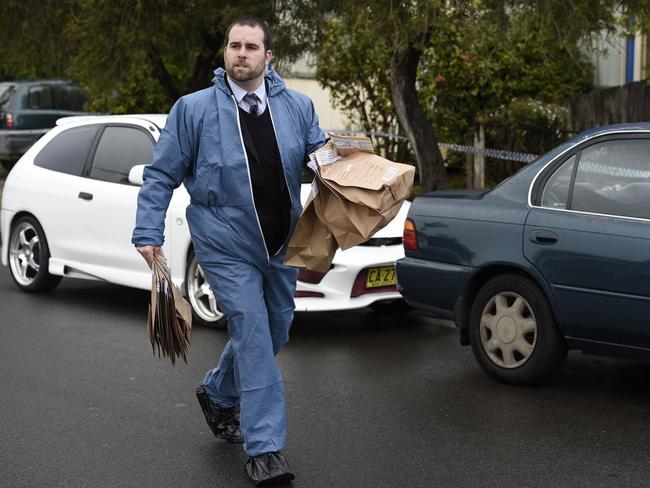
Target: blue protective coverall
(202, 146)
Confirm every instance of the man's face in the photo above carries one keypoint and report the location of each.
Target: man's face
(245, 57)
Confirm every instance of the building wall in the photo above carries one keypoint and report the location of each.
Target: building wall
(329, 117)
(610, 59)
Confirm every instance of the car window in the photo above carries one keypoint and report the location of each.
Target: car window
(6, 90)
(76, 98)
(556, 191)
(613, 178)
(68, 151)
(39, 97)
(67, 97)
(119, 149)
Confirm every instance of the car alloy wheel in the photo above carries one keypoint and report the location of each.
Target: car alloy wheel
(205, 309)
(29, 257)
(508, 329)
(513, 332)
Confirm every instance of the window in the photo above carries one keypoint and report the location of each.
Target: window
(77, 98)
(67, 97)
(40, 97)
(67, 152)
(6, 90)
(119, 149)
(613, 178)
(556, 191)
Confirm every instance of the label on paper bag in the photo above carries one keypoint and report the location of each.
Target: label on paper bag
(389, 174)
(312, 164)
(351, 143)
(326, 156)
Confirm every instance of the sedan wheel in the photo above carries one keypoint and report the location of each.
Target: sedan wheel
(508, 329)
(205, 309)
(513, 333)
(29, 257)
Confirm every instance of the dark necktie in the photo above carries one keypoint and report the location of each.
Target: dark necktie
(253, 102)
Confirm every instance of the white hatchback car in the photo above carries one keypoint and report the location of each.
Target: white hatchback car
(68, 209)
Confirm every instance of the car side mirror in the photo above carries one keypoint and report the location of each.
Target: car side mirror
(136, 174)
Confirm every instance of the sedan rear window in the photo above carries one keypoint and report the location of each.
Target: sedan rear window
(613, 178)
(68, 151)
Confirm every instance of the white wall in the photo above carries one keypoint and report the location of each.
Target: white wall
(328, 117)
(610, 64)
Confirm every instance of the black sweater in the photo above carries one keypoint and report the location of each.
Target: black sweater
(270, 191)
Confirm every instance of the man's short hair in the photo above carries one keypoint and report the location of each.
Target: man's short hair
(252, 21)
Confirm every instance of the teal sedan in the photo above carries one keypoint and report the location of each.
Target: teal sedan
(557, 257)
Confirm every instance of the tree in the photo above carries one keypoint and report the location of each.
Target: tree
(351, 63)
(130, 55)
(455, 64)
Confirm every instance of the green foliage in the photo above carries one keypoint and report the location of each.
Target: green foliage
(481, 61)
(352, 63)
(130, 55)
(525, 125)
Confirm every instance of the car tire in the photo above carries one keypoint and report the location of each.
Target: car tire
(205, 309)
(513, 333)
(391, 308)
(29, 257)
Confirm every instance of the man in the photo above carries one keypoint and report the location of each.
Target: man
(240, 148)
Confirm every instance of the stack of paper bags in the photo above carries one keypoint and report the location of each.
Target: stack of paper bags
(354, 194)
(169, 322)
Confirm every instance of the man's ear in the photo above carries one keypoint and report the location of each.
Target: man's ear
(269, 57)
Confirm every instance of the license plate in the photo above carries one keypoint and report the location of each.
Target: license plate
(382, 276)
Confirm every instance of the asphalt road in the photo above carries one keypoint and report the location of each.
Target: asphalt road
(372, 402)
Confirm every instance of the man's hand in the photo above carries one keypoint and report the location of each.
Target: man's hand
(148, 252)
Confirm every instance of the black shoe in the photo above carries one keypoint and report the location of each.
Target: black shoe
(270, 468)
(223, 422)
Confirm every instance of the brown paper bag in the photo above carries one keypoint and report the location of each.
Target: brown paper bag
(169, 319)
(312, 246)
(369, 180)
(357, 193)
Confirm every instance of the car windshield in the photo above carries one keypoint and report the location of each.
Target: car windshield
(6, 89)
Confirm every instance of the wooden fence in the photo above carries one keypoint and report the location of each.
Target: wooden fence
(627, 103)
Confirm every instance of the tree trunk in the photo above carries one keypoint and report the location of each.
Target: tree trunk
(166, 80)
(411, 115)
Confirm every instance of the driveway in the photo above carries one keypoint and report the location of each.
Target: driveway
(373, 402)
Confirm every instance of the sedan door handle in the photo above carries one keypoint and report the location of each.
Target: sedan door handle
(543, 237)
(85, 196)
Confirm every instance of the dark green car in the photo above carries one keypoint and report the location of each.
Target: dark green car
(28, 109)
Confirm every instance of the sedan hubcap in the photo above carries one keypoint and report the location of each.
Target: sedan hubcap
(24, 253)
(508, 330)
(201, 296)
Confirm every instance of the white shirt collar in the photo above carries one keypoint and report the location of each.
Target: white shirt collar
(240, 93)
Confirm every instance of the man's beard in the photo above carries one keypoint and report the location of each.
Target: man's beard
(247, 74)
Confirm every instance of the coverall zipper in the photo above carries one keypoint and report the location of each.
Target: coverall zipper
(250, 180)
(284, 173)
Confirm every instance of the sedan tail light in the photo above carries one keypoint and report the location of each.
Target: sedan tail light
(409, 237)
(9, 120)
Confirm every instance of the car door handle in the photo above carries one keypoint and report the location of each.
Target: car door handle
(543, 237)
(85, 196)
